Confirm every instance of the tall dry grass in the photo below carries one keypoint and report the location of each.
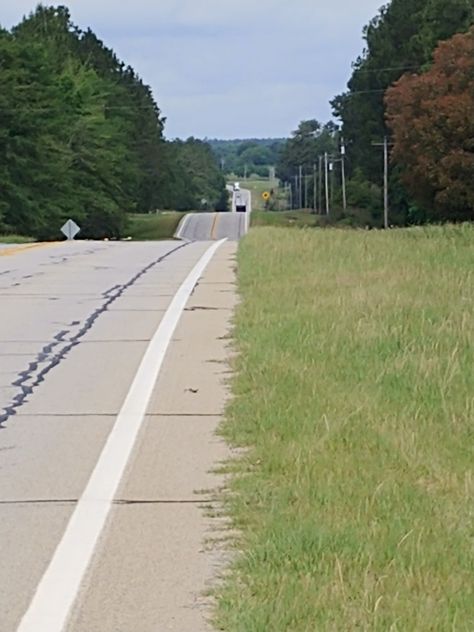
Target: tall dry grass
(354, 397)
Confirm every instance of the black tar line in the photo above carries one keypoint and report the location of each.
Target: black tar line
(50, 360)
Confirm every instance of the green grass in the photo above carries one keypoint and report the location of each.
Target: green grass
(286, 219)
(153, 227)
(354, 399)
(257, 187)
(16, 239)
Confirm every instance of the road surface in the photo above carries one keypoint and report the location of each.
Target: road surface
(215, 226)
(104, 470)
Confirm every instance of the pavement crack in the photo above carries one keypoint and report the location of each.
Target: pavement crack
(41, 501)
(119, 501)
(184, 415)
(197, 308)
(66, 415)
(167, 501)
(53, 353)
(103, 342)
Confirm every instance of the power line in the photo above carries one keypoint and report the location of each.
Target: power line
(387, 68)
(374, 70)
(356, 92)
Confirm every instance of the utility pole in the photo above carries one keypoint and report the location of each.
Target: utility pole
(385, 145)
(320, 185)
(290, 192)
(343, 174)
(385, 182)
(326, 180)
(300, 198)
(314, 189)
(332, 165)
(306, 205)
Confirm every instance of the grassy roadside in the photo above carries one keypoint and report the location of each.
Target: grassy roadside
(354, 395)
(286, 219)
(141, 227)
(257, 187)
(16, 239)
(163, 225)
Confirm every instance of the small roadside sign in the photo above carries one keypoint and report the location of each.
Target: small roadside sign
(70, 229)
(266, 195)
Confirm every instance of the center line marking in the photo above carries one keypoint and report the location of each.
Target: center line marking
(57, 590)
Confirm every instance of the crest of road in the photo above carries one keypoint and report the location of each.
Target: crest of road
(214, 226)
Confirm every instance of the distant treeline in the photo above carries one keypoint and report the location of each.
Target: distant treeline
(81, 137)
(414, 86)
(247, 157)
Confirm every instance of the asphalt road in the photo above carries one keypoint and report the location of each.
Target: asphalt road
(215, 226)
(79, 322)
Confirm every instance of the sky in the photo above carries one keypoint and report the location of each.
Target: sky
(229, 68)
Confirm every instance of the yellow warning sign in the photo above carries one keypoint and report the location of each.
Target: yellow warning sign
(266, 195)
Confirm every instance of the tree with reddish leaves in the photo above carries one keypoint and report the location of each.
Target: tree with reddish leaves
(432, 119)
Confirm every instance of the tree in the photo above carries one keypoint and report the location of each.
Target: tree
(81, 136)
(192, 179)
(432, 119)
(441, 20)
(252, 156)
(308, 142)
(392, 46)
(32, 118)
(130, 103)
(311, 140)
(67, 152)
(400, 38)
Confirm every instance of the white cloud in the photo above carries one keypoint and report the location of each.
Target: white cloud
(229, 67)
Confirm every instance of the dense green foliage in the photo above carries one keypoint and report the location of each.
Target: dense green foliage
(400, 39)
(82, 137)
(192, 178)
(308, 142)
(302, 154)
(153, 226)
(249, 157)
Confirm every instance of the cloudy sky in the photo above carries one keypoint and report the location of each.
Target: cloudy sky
(229, 68)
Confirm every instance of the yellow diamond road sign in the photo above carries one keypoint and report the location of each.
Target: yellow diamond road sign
(266, 195)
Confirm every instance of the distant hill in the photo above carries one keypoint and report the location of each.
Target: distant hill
(247, 156)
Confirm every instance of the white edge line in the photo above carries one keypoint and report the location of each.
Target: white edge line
(182, 226)
(57, 590)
